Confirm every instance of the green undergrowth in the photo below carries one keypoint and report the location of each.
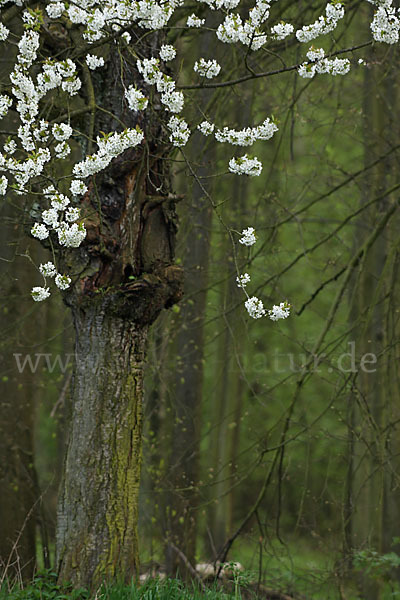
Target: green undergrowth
(45, 587)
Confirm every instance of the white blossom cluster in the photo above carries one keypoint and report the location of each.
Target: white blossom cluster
(40, 293)
(281, 31)
(233, 30)
(4, 32)
(48, 270)
(248, 237)
(3, 185)
(99, 19)
(385, 25)
(243, 280)
(150, 70)
(180, 131)
(110, 146)
(60, 217)
(136, 99)
(167, 52)
(5, 104)
(93, 61)
(319, 64)
(193, 21)
(280, 311)
(248, 32)
(325, 24)
(247, 136)
(245, 165)
(207, 68)
(78, 188)
(206, 127)
(255, 307)
(28, 93)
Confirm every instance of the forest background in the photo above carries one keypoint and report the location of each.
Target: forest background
(272, 444)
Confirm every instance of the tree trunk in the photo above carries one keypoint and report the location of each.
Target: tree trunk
(19, 494)
(188, 385)
(98, 508)
(125, 278)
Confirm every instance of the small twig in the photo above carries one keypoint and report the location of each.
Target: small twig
(62, 395)
(188, 565)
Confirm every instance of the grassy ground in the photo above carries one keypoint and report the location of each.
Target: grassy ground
(45, 587)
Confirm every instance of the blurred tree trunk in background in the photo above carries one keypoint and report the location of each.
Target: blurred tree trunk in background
(187, 384)
(373, 495)
(227, 394)
(19, 493)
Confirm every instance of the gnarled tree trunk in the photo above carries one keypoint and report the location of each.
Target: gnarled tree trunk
(125, 278)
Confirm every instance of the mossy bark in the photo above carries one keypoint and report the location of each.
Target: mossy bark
(98, 507)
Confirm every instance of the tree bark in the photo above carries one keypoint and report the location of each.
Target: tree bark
(98, 508)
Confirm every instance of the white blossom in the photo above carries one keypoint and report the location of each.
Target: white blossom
(10, 147)
(5, 103)
(248, 135)
(206, 128)
(110, 146)
(93, 61)
(207, 68)
(62, 150)
(233, 30)
(255, 307)
(248, 237)
(245, 165)
(3, 185)
(227, 4)
(28, 47)
(59, 201)
(174, 101)
(243, 280)
(319, 64)
(78, 188)
(41, 131)
(149, 68)
(72, 213)
(167, 52)
(281, 30)
(71, 235)
(259, 13)
(280, 311)
(72, 86)
(48, 269)
(385, 25)
(180, 131)
(306, 70)
(40, 231)
(325, 24)
(193, 21)
(50, 217)
(3, 32)
(61, 131)
(40, 293)
(62, 281)
(126, 36)
(55, 9)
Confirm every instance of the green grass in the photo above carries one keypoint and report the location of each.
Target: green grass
(45, 587)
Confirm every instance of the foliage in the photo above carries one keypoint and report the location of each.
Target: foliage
(45, 587)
